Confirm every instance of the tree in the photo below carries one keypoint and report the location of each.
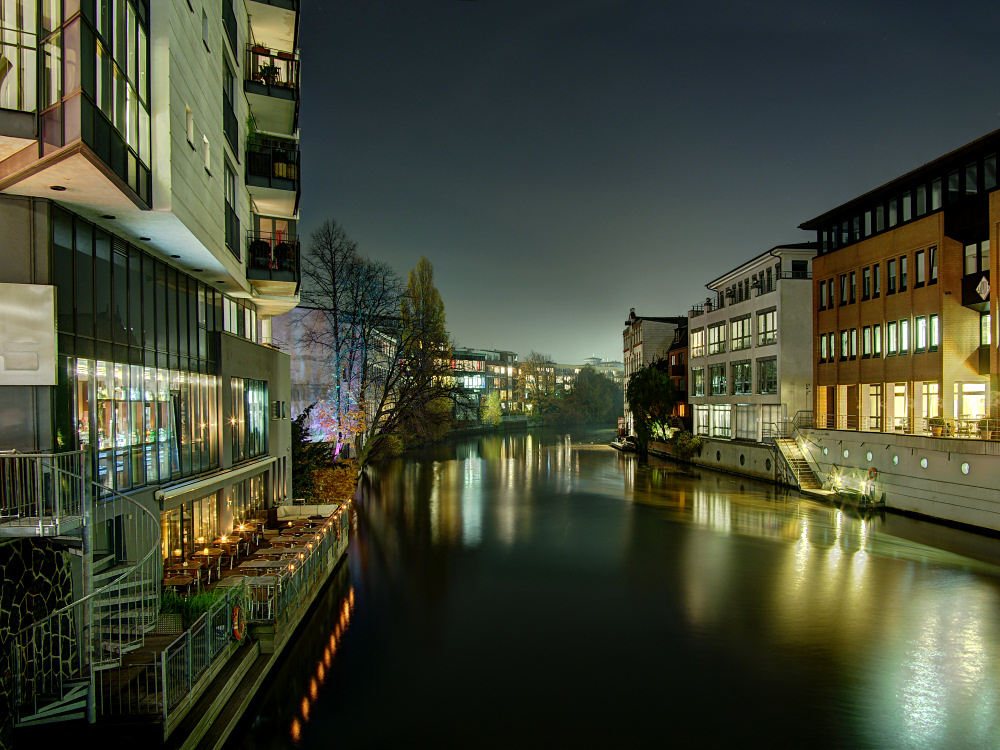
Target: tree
(307, 456)
(492, 413)
(594, 397)
(651, 396)
(536, 379)
(410, 395)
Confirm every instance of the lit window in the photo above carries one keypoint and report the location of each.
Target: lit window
(892, 345)
(935, 334)
(985, 336)
(904, 336)
(920, 331)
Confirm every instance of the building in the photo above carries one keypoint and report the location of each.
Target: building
(612, 369)
(480, 372)
(645, 339)
(903, 298)
(749, 365)
(149, 190)
(677, 358)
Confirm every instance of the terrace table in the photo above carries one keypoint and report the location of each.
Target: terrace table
(213, 559)
(187, 568)
(262, 567)
(179, 582)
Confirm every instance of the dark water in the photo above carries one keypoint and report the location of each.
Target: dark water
(542, 590)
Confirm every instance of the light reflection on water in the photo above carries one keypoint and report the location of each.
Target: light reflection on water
(534, 571)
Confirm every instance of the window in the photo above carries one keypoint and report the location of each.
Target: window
(740, 333)
(866, 283)
(879, 218)
(767, 375)
(904, 336)
(890, 272)
(698, 381)
(892, 345)
(920, 333)
(832, 338)
(767, 327)
(721, 415)
(742, 378)
(892, 212)
(845, 344)
(907, 206)
(932, 265)
(208, 153)
(877, 340)
(918, 262)
(854, 287)
(953, 193)
(985, 336)
(977, 257)
(822, 295)
(854, 343)
(190, 125)
(935, 334)
(971, 178)
(902, 274)
(822, 348)
(868, 223)
(717, 380)
(936, 194)
(698, 343)
(717, 338)
(876, 281)
(990, 172)
(205, 30)
(921, 200)
(866, 342)
(843, 288)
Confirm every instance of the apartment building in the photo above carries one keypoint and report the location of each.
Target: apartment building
(749, 354)
(149, 190)
(644, 340)
(677, 359)
(478, 373)
(903, 300)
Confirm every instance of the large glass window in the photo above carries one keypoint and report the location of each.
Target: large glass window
(740, 333)
(248, 418)
(918, 262)
(767, 375)
(697, 381)
(892, 333)
(767, 327)
(890, 272)
(698, 343)
(920, 333)
(935, 332)
(717, 338)
(742, 378)
(717, 380)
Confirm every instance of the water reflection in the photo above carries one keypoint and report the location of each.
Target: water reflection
(537, 571)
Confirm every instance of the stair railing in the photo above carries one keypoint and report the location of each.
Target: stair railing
(55, 655)
(39, 490)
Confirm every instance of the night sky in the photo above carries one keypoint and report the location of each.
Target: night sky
(560, 161)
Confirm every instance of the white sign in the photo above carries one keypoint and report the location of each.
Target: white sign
(27, 334)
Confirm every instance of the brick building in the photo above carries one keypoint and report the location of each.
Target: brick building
(903, 297)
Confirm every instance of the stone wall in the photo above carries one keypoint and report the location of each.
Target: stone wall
(37, 579)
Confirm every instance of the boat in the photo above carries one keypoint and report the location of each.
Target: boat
(627, 444)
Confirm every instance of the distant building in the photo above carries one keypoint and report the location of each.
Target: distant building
(750, 364)
(643, 340)
(480, 372)
(677, 357)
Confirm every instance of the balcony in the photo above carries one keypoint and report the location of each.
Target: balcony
(273, 263)
(272, 174)
(271, 83)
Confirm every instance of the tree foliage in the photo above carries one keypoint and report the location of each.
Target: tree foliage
(651, 397)
(492, 412)
(307, 457)
(594, 398)
(536, 379)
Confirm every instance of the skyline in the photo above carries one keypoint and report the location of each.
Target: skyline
(560, 165)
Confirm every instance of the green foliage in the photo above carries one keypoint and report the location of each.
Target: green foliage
(307, 456)
(686, 445)
(492, 413)
(594, 398)
(651, 397)
(190, 607)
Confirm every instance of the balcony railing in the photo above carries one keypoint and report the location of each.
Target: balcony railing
(270, 252)
(272, 68)
(273, 159)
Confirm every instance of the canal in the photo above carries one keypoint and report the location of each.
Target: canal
(543, 590)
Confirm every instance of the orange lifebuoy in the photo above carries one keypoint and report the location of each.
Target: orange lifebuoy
(872, 474)
(239, 622)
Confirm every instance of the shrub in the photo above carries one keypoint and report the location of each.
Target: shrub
(686, 445)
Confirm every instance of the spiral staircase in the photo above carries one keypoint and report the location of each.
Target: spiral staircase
(57, 659)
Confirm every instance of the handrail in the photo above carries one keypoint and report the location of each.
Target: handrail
(63, 645)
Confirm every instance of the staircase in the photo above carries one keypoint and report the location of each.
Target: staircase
(56, 658)
(804, 477)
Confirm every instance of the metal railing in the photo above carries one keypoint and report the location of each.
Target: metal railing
(194, 651)
(268, 251)
(268, 597)
(968, 428)
(40, 490)
(272, 68)
(270, 158)
(64, 649)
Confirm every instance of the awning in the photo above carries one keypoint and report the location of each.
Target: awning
(173, 497)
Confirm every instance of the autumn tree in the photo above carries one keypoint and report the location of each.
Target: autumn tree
(492, 414)
(651, 397)
(536, 379)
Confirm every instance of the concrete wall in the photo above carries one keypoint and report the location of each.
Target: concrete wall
(958, 483)
(748, 459)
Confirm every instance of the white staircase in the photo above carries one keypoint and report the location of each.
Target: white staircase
(805, 479)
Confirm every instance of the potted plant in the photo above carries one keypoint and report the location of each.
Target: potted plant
(260, 254)
(936, 425)
(285, 255)
(269, 73)
(984, 428)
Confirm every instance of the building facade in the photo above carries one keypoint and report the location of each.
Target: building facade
(644, 340)
(903, 300)
(479, 372)
(140, 179)
(677, 358)
(749, 364)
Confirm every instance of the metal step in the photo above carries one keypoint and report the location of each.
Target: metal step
(72, 706)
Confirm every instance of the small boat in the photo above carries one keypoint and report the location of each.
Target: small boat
(627, 444)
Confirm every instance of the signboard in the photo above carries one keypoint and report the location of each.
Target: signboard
(27, 334)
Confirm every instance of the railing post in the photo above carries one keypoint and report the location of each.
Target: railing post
(87, 611)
